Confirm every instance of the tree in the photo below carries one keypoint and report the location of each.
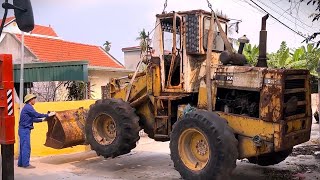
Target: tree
(312, 57)
(46, 91)
(315, 17)
(143, 38)
(77, 90)
(107, 46)
(280, 59)
(299, 58)
(251, 52)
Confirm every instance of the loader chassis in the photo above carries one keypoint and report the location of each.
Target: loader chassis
(268, 109)
(257, 112)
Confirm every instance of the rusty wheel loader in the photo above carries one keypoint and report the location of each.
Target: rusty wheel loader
(203, 97)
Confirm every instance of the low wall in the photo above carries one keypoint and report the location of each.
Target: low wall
(38, 134)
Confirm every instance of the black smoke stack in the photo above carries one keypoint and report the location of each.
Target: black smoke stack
(262, 60)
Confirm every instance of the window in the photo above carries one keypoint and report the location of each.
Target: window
(218, 43)
(167, 29)
(167, 26)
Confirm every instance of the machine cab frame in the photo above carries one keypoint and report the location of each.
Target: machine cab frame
(180, 43)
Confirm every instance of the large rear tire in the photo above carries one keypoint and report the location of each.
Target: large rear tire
(112, 127)
(203, 146)
(270, 158)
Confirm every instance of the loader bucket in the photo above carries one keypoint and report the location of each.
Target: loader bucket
(66, 129)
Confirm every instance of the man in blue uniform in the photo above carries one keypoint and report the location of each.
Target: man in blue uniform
(28, 116)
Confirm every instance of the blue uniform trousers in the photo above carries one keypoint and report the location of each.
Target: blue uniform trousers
(25, 148)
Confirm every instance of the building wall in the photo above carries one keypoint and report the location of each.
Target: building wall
(101, 78)
(12, 28)
(131, 59)
(38, 135)
(97, 78)
(9, 45)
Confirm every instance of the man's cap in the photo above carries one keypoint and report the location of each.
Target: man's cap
(28, 97)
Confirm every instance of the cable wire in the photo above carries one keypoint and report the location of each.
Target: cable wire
(278, 20)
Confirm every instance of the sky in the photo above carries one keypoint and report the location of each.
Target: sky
(119, 21)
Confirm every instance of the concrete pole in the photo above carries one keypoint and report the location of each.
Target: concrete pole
(21, 71)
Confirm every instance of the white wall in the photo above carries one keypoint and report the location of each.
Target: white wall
(101, 78)
(9, 45)
(131, 59)
(12, 28)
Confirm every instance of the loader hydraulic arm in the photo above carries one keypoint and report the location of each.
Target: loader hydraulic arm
(135, 93)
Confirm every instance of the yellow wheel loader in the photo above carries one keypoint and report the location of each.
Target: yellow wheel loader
(203, 97)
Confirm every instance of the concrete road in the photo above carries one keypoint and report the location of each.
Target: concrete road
(151, 160)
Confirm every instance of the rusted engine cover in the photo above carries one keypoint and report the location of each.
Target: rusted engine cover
(241, 77)
(66, 129)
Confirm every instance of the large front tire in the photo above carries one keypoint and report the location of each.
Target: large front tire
(112, 127)
(203, 146)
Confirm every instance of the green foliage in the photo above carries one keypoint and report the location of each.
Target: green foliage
(300, 58)
(280, 59)
(304, 57)
(251, 53)
(77, 90)
(311, 56)
(143, 38)
(107, 46)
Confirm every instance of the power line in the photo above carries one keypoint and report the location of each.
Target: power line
(259, 10)
(285, 17)
(278, 20)
(285, 12)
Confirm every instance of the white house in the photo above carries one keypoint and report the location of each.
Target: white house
(44, 45)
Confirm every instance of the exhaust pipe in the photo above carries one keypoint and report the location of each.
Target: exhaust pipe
(262, 59)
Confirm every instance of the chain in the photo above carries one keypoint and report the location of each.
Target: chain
(210, 5)
(165, 6)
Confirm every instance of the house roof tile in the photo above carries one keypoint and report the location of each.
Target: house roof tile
(56, 50)
(7, 20)
(44, 30)
(38, 29)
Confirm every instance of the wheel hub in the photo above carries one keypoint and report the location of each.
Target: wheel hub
(193, 149)
(104, 129)
(201, 147)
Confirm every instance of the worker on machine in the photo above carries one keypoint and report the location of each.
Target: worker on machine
(28, 116)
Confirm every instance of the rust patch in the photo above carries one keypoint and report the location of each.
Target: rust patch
(66, 129)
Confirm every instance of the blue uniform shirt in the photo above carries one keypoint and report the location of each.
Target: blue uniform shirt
(29, 116)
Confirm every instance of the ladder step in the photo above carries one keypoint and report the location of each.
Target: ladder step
(161, 136)
(162, 117)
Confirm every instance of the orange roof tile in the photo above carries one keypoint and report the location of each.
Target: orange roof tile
(56, 50)
(44, 30)
(7, 20)
(38, 29)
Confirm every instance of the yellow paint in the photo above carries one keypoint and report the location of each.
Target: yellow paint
(137, 88)
(248, 149)
(156, 81)
(194, 149)
(38, 134)
(250, 127)
(181, 108)
(202, 98)
(271, 104)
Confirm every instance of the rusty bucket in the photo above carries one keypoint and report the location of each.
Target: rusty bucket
(66, 129)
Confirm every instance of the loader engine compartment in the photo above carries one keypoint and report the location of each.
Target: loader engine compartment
(240, 102)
